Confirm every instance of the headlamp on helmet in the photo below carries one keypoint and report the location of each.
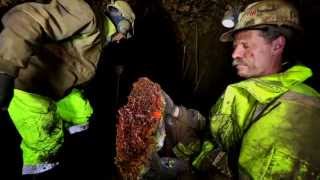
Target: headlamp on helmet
(230, 17)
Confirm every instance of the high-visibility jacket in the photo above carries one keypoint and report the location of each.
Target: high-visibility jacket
(275, 119)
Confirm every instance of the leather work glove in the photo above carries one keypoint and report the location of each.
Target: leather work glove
(6, 90)
(191, 117)
(170, 109)
(166, 168)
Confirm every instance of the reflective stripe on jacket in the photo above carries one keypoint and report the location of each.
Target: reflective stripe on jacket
(276, 120)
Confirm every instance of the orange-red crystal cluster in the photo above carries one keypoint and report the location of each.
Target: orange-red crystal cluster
(137, 124)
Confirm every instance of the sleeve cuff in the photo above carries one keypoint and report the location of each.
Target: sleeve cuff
(8, 69)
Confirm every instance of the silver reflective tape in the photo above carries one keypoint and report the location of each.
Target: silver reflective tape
(78, 128)
(38, 168)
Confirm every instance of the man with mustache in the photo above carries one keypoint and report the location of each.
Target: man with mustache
(267, 126)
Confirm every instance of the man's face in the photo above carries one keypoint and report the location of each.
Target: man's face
(253, 55)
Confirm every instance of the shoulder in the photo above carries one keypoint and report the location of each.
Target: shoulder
(305, 90)
(77, 7)
(237, 89)
(304, 95)
(59, 19)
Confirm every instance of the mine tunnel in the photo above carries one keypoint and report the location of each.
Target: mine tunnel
(176, 44)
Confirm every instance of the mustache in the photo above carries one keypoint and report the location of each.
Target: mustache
(236, 62)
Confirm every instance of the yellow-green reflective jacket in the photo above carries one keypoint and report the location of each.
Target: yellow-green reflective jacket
(276, 119)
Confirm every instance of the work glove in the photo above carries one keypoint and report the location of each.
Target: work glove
(166, 168)
(170, 108)
(191, 117)
(6, 90)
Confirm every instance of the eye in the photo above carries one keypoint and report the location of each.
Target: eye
(245, 45)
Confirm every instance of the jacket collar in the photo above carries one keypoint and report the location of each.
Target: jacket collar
(267, 88)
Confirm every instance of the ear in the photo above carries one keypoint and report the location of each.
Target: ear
(278, 44)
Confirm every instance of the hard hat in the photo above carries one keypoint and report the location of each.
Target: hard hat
(263, 13)
(124, 8)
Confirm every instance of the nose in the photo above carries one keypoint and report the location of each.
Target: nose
(237, 52)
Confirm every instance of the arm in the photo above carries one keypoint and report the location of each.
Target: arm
(187, 148)
(229, 118)
(183, 127)
(213, 157)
